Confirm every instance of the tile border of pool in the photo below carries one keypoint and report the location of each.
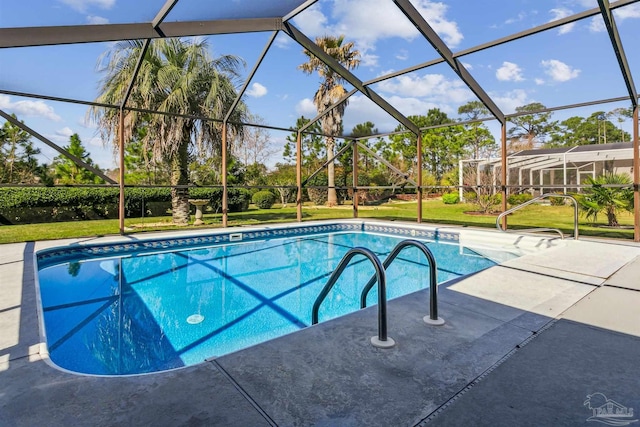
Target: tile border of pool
(55, 255)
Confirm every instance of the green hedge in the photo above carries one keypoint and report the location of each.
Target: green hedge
(264, 199)
(49, 204)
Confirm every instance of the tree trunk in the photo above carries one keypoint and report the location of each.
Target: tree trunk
(180, 176)
(332, 197)
(611, 218)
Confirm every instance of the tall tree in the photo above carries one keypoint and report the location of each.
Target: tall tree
(313, 148)
(180, 77)
(480, 141)
(361, 130)
(67, 172)
(255, 147)
(621, 115)
(442, 147)
(140, 165)
(364, 129)
(595, 129)
(18, 161)
(330, 91)
(284, 177)
(530, 130)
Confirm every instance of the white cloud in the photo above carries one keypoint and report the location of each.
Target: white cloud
(559, 71)
(306, 108)
(410, 106)
(312, 22)
(402, 55)
(368, 21)
(539, 81)
(596, 25)
(434, 87)
(82, 5)
(368, 59)
(28, 108)
(559, 13)
(515, 19)
(283, 41)
(257, 90)
(632, 11)
(97, 20)
(509, 72)
(362, 109)
(65, 132)
(508, 101)
(627, 12)
(467, 65)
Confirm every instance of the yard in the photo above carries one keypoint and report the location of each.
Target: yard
(434, 211)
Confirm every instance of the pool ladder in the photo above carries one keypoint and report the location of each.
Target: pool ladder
(535, 230)
(382, 340)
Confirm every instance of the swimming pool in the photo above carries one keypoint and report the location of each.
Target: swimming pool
(153, 305)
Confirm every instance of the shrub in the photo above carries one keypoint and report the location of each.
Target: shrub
(518, 199)
(450, 198)
(470, 196)
(50, 204)
(318, 195)
(610, 200)
(264, 199)
(238, 199)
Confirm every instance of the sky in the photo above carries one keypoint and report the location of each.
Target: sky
(566, 65)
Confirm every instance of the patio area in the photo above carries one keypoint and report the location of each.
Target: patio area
(525, 343)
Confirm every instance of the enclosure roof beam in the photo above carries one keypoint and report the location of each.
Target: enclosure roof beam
(250, 76)
(134, 76)
(309, 45)
(381, 159)
(612, 29)
(524, 163)
(328, 110)
(542, 166)
(331, 160)
(163, 12)
(299, 9)
(59, 149)
(68, 34)
(434, 39)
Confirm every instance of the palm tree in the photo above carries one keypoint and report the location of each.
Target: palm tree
(331, 89)
(600, 197)
(179, 77)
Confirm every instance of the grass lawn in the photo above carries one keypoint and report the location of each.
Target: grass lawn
(434, 211)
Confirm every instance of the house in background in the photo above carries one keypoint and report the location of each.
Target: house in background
(549, 169)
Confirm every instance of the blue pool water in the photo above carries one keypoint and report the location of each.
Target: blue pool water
(137, 313)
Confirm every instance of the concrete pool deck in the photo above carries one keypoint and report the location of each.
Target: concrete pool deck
(525, 343)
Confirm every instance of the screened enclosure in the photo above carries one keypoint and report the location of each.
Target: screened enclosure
(410, 97)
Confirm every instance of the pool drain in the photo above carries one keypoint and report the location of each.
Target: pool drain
(194, 319)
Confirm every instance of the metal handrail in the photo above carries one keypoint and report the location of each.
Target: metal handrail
(535, 199)
(382, 339)
(433, 278)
